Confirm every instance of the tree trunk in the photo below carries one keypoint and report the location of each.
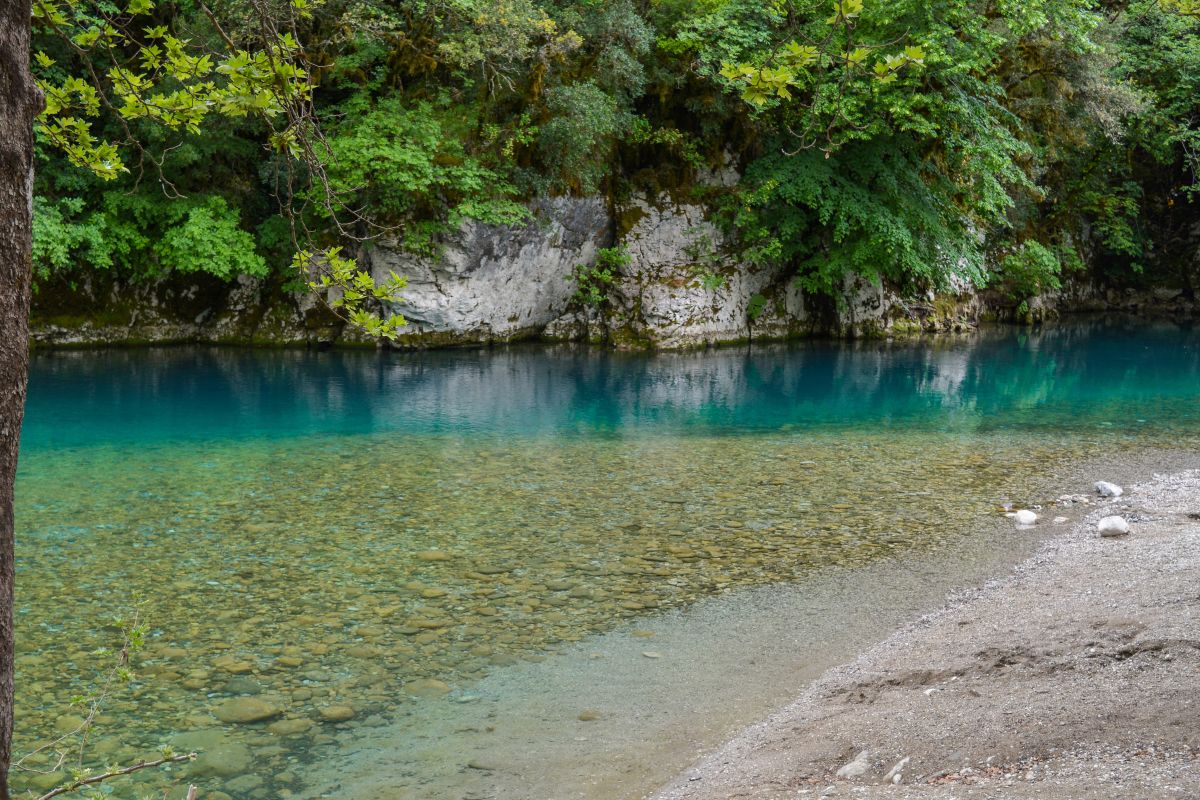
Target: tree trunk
(19, 102)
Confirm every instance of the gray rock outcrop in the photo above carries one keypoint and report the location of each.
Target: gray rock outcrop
(494, 282)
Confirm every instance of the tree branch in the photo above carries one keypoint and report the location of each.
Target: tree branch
(104, 776)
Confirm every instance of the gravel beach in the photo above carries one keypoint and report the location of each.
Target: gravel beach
(1077, 676)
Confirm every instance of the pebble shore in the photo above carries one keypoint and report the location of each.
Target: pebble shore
(1072, 678)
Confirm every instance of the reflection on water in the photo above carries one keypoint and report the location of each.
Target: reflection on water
(330, 540)
(1042, 378)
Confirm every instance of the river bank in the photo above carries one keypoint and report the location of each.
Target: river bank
(1074, 677)
(617, 715)
(671, 312)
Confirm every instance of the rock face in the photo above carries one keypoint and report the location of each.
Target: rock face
(685, 286)
(498, 283)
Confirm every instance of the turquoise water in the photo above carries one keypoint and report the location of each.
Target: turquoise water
(1073, 376)
(345, 536)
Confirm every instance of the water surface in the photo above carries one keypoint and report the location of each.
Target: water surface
(423, 540)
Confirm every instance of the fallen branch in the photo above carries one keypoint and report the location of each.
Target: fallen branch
(116, 773)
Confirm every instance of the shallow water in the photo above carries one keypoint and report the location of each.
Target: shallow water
(393, 535)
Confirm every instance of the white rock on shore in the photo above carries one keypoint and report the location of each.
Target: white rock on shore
(1025, 517)
(1106, 489)
(896, 773)
(1113, 526)
(856, 768)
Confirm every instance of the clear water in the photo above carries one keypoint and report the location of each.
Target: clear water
(385, 533)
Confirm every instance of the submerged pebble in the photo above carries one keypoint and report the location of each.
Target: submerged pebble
(338, 713)
(245, 710)
(427, 687)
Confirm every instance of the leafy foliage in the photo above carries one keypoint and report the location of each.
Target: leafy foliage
(756, 307)
(409, 165)
(350, 287)
(877, 214)
(150, 79)
(143, 236)
(576, 142)
(1030, 270)
(592, 282)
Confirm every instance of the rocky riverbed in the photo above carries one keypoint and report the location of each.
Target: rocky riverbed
(1075, 677)
(294, 609)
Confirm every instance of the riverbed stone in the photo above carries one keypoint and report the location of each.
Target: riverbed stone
(45, 781)
(365, 651)
(427, 687)
(224, 760)
(1025, 518)
(489, 571)
(199, 740)
(336, 713)
(242, 685)
(66, 723)
(244, 784)
(244, 710)
(288, 727)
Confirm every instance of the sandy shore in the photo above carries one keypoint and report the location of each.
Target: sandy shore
(1077, 676)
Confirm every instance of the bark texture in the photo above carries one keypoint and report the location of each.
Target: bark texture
(19, 102)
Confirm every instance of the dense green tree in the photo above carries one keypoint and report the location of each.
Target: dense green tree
(1040, 137)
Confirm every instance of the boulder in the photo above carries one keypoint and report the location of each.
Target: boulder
(492, 283)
